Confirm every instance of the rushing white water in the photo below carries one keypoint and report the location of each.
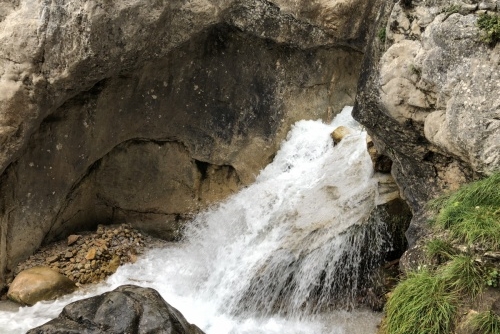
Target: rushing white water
(274, 258)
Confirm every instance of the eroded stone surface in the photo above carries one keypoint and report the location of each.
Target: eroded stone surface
(206, 89)
(39, 283)
(429, 97)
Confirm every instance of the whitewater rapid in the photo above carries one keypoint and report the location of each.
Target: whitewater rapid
(275, 257)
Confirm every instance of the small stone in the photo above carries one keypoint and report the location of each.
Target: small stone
(114, 264)
(52, 259)
(91, 254)
(72, 239)
(68, 255)
(340, 133)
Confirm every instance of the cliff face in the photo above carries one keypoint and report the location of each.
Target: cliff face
(146, 111)
(428, 95)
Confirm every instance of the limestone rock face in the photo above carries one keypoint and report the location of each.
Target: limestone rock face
(127, 309)
(428, 95)
(39, 283)
(144, 112)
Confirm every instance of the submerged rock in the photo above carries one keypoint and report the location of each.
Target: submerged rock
(39, 283)
(339, 133)
(127, 309)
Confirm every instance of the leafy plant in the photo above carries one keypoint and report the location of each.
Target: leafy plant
(439, 249)
(421, 304)
(492, 277)
(472, 213)
(464, 276)
(485, 323)
(490, 26)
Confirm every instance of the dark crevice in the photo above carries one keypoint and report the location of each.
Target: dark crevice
(202, 168)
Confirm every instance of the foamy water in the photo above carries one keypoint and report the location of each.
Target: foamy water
(273, 258)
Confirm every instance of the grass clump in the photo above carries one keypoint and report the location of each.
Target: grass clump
(452, 9)
(485, 323)
(421, 304)
(490, 26)
(464, 276)
(440, 250)
(472, 213)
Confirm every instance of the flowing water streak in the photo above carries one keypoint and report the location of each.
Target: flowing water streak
(274, 257)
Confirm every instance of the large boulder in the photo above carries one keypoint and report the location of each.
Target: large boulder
(127, 309)
(37, 284)
(428, 96)
(144, 112)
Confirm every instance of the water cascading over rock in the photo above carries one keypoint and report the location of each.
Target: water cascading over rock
(280, 253)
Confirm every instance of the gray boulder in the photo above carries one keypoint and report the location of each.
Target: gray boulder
(127, 309)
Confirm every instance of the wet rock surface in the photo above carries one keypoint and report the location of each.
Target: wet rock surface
(127, 309)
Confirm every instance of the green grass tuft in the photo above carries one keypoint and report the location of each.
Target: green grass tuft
(439, 249)
(472, 213)
(421, 304)
(464, 276)
(490, 26)
(452, 9)
(485, 323)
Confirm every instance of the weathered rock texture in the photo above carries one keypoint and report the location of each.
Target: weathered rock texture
(428, 95)
(127, 309)
(39, 283)
(142, 112)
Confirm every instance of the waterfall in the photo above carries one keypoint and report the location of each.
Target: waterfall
(279, 256)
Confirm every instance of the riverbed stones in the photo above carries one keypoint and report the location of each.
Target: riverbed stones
(128, 309)
(93, 256)
(39, 283)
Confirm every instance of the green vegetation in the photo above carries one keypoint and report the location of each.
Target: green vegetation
(492, 277)
(382, 34)
(415, 70)
(485, 323)
(464, 276)
(452, 9)
(490, 26)
(426, 301)
(440, 250)
(421, 304)
(472, 214)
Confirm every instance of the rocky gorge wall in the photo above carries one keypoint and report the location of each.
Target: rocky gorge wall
(144, 112)
(428, 95)
(147, 111)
